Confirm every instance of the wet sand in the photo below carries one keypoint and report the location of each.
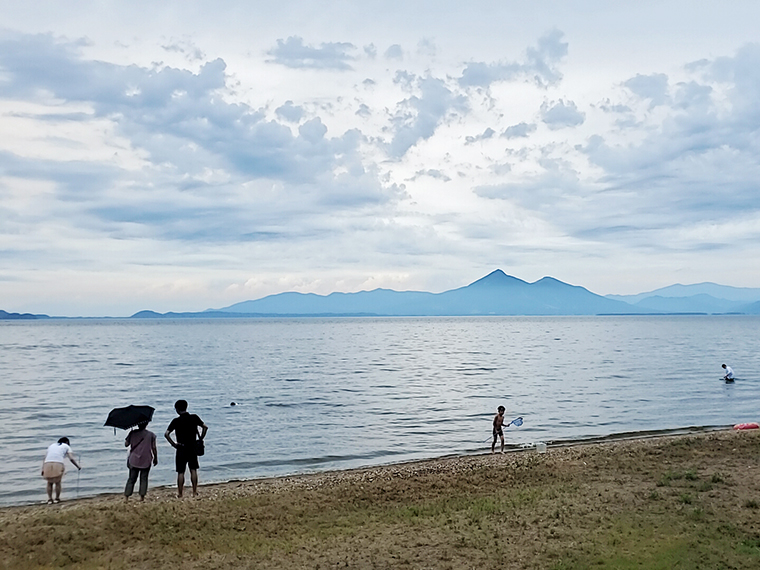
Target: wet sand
(689, 500)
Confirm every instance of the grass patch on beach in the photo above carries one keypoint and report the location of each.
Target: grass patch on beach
(596, 506)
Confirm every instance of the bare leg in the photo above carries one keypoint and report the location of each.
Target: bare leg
(194, 481)
(50, 491)
(493, 444)
(58, 492)
(180, 483)
(502, 444)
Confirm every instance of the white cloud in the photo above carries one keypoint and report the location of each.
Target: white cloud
(521, 130)
(427, 47)
(560, 114)
(290, 112)
(539, 65)
(201, 151)
(371, 51)
(485, 135)
(418, 116)
(695, 165)
(433, 173)
(394, 52)
(187, 48)
(331, 55)
(653, 87)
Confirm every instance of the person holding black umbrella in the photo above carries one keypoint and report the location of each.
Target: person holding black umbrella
(142, 452)
(142, 442)
(186, 427)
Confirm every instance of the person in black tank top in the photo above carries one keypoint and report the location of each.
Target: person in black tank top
(185, 427)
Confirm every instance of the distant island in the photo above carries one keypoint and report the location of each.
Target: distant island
(5, 316)
(496, 294)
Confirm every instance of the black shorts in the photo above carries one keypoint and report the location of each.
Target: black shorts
(498, 432)
(185, 457)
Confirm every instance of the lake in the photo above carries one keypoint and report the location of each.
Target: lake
(335, 393)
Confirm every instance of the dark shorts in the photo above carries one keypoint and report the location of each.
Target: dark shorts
(498, 432)
(185, 457)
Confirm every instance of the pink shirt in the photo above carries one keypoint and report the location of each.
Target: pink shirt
(141, 451)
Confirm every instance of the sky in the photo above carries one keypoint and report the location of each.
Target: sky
(179, 156)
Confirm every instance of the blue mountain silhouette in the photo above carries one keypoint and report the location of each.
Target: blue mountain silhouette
(6, 316)
(495, 294)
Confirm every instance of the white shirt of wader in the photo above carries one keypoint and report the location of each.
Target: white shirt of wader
(56, 453)
(729, 372)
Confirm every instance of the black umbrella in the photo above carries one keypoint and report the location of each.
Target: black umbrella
(129, 417)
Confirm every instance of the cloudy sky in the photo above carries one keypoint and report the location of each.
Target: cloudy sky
(197, 154)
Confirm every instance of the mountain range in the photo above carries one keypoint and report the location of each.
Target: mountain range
(495, 294)
(708, 298)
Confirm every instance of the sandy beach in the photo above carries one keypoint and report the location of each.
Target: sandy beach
(688, 501)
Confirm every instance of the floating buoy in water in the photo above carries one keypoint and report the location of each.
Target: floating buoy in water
(748, 425)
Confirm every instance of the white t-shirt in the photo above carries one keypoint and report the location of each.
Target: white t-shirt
(57, 452)
(729, 372)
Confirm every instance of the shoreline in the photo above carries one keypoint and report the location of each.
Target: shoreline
(164, 492)
(690, 500)
(168, 492)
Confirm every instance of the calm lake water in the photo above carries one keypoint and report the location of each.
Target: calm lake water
(317, 394)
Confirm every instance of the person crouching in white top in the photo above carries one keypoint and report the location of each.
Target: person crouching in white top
(53, 468)
(729, 373)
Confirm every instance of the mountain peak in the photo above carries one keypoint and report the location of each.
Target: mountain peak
(547, 282)
(548, 279)
(497, 278)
